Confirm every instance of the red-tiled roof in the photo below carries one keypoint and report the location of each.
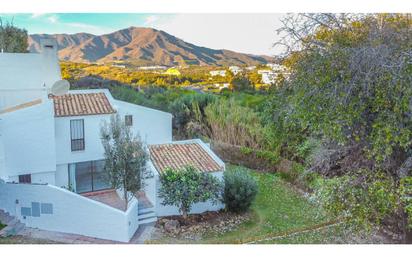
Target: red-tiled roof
(81, 104)
(177, 156)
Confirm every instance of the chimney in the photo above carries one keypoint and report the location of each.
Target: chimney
(48, 46)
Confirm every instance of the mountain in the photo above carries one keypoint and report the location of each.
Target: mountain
(144, 46)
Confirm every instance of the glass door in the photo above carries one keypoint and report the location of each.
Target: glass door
(88, 176)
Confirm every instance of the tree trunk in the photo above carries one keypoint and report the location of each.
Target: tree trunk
(125, 196)
(406, 166)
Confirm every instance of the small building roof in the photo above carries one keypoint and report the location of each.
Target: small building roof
(81, 104)
(177, 156)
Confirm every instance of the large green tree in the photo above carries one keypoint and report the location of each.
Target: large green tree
(12, 38)
(350, 87)
(351, 82)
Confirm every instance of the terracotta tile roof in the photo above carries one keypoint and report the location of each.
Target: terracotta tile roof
(177, 156)
(81, 104)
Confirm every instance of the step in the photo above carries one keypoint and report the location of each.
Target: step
(13, 221)
(146, 215)
(147, 220)
(146, 210)
(6, 220)
(3, 215)
(19, 227)
(13, 229)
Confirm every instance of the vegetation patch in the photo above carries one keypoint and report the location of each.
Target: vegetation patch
(277, 208)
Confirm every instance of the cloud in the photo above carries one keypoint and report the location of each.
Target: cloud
(37, 15)
(53, 18)
(247, 33)
(84, 27)
(151, 20)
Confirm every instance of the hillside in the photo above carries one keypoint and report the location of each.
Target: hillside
(145, 46)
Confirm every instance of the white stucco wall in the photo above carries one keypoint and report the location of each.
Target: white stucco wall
(93, 146)
(2, 156)
(151, 125)
(27, 76)
(72, 213)
(62, 175)
(38, 178)
(28, 140)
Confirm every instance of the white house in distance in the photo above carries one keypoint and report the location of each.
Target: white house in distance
(235, 70)
(52, 158)
(268, 76)
(217, 73)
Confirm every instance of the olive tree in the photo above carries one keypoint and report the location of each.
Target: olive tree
(126, 157)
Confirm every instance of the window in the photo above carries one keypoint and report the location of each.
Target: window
(128, 119)
(88, 176)
(25, 179)
(77, 135)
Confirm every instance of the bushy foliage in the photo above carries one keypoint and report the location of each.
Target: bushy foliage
(406, 197)
(241, 84)
(352, 83)
(187, 186)
(240, 190)
(234, 124)
(12, 38)
(189, 113)
(348, 197)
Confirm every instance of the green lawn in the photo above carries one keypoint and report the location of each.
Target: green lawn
(278, 209)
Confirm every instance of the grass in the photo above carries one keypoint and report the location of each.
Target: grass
(277, 209)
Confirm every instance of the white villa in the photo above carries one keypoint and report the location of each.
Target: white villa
(268, 76)
(52, 158)
(217, 73)
(235, 69)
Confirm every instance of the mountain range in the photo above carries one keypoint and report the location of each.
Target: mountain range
(143, 46)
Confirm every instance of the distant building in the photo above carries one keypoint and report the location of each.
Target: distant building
(119, 66)
(218, 73)
(276, 67)
(222, 85)
(268, 76)
(173, 71)
(156, 67)
(235, 69)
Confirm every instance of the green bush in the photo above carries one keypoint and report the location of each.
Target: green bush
(240, 190)
(406, 197)
(187, 186)
(361, 203)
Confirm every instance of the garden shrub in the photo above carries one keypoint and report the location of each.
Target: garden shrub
(187, 186)
(240, 190)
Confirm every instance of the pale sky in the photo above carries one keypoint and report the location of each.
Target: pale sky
(246, 33)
